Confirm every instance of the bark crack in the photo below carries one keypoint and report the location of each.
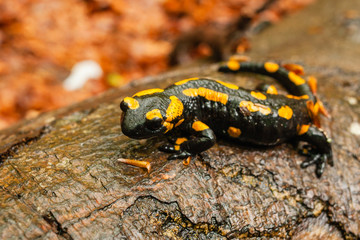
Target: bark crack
(177, 217)
(10, 150)
(57, 226)
(338, 225)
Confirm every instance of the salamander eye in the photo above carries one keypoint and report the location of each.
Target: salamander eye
(154, 123)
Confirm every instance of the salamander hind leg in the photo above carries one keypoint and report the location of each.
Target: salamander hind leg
(318, 151)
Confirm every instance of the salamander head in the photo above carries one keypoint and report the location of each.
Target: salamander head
(143, 117)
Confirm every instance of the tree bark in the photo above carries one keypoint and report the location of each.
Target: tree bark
(60, 178)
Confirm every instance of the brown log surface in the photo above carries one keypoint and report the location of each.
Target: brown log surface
(59, 177)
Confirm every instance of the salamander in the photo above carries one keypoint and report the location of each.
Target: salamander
(193, 112)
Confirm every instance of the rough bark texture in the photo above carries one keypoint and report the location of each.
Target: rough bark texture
(59, 178)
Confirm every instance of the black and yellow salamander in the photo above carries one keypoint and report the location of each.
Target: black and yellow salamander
(192, 112)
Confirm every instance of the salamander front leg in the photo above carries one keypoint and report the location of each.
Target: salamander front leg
(174, 144)
(318, 152)
(203, 139)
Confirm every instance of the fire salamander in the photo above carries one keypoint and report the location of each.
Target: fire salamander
(192, 112)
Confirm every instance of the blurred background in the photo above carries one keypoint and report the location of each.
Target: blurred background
(54, 53)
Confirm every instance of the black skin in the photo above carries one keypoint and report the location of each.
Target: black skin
(216, 117)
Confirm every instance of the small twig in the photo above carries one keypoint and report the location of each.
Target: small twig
(137, 163)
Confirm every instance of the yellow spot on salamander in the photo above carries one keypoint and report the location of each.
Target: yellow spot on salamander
(199, 126)
(175, 109)
(191, 92)
(180, 140)
(179, 122)
(298, 97)
(233, 65)
(131, 102)
(255, 107)
(209, 94)
(303, 129)
(271, 67)
(258, 95)
(228, 85)
(272, 90)
(285, 112)
(234, 132)
(213, 95)
(296, 79)
(153, 114)
(185, 81)
(148, 91)
(296, 68)
(168, 126)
